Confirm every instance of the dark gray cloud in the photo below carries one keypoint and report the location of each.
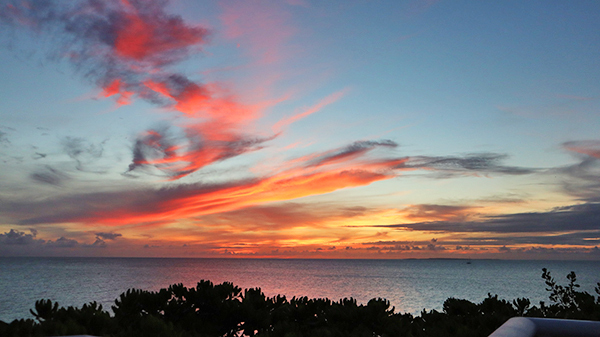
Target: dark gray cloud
(18, 238)
(14, 237)
(355, 149)
(39, 155)
(557, 251)
(581, 238)
(49, 176)
(585, 243)
(586, 238)
(581, 180)
(479, 163)
(3, 138)
(7, 128)
(77, 147)
(108, 236)
(582, 217)
(62, 242)
(17, 243)
(81, 150)
(99, 243)
(431, 245)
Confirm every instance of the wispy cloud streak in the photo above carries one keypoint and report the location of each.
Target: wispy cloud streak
(472, 164)
(583, 217)
(309, 111)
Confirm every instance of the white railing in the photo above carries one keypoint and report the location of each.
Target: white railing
(547, 327)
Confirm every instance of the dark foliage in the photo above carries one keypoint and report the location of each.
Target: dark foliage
(226, 310)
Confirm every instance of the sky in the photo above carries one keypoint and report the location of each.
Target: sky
(300, 129)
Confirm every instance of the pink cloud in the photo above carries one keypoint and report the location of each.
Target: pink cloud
(260, 26)
(309, 111)
(587, 147)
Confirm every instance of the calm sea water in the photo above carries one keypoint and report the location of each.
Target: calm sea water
(410, 285)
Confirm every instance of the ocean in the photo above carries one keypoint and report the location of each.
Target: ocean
(410, 285)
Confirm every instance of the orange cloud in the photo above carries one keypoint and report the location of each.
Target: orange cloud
(191, 200)
(430, 212)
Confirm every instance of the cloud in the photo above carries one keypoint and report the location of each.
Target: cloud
(115, 43)
(431, 245)
(81, 150)
(587, 147)
(581, 217)
(309, 111)
(39, 155)
(62, 242)
(185, 200)
(17, 238)
(127, 48)
(319, 173)
(76, 147)
(17, 243)
(13, 237)
(586, 238)
(582, 179)
(352, 151)
(451, 166)
(510, 198)
(179, 155)
(108, 236)
(49, 176)
(432, 212)
(480, 239)
(282, 216)
(99, 243)
(260, 27)
(4, 139)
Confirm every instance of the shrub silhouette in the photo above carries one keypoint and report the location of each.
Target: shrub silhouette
(225, 310)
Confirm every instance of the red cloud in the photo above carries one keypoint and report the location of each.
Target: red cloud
(116, 87)
(153, 36)
(198, 200)
(118, 44)
(190, 200)
(178, 156)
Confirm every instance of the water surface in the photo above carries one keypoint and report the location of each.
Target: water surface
(410, 285)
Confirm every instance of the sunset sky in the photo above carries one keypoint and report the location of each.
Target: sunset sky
(300, 128)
